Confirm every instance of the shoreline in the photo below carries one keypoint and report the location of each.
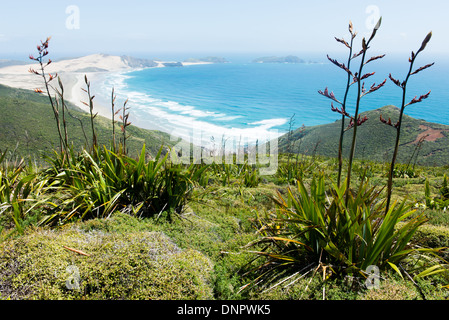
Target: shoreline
(107, 72)
(103, 68)
(104, 73)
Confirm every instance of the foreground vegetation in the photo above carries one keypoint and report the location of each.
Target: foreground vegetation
(215, 247)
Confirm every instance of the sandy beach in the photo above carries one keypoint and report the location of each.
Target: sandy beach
(72, 73)
(105, 73)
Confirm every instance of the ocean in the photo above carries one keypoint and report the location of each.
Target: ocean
(255, 101)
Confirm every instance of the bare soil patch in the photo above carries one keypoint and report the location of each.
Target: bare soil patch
(429, 134)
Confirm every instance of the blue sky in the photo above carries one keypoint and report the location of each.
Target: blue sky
(216, 26)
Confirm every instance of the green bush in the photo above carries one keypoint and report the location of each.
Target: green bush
(96, 184)
(441, 201)
(18, 192)
(432, 236)
(319, 232)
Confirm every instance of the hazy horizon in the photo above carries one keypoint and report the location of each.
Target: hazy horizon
(172, 27)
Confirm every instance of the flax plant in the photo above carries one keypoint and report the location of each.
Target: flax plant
(317, 230)
(360, 93)
(47, 78)
(90, 104)
(397, 126)
(348, 85)
(65, 109)
(114, 122)
(98, 183)
(124, 117)
(125, 124)
(19, 190)
(357, 78)
(64, 122)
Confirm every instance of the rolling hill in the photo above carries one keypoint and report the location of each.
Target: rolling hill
(27, 127)
(375, 140)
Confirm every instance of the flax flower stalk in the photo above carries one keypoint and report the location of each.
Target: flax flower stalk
(348, 85)
(397, 126)
(42, 52)
(365, 47)
(90, 104)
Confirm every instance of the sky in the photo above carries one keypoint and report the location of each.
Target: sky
(150, 27)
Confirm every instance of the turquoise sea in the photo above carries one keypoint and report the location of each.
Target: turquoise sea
(244, 99)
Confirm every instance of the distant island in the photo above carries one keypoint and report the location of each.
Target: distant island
(172, 64)
(274, 59)
(207, 60)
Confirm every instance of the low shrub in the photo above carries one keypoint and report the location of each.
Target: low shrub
(19, 191)
(432, 236)
(130, 266)
(92, 185)
(315, 232)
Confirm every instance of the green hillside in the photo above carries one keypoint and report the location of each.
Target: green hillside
(375, 140)
(28, 127)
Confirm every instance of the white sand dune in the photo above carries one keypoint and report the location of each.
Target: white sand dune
(72, 73)
(95, 61)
